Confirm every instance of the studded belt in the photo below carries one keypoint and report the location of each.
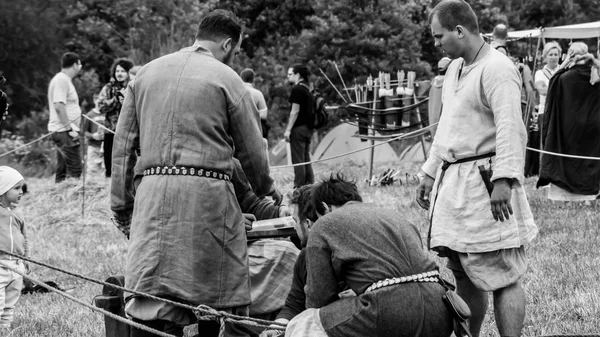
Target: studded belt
(430, 276)
(186, 171)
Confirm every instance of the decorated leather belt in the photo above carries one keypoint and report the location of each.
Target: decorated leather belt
(430, 276)
(186, 171)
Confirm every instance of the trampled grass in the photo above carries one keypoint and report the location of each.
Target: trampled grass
(563, 295)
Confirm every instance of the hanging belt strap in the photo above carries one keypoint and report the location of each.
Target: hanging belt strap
(445, 166)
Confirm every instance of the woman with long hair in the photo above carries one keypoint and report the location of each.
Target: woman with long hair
(109, 103)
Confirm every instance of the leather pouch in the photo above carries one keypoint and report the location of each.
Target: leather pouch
(461, 313)
(486, 175)
(458, 305)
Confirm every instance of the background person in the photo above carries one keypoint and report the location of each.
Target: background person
(13, 239)
(63, 104)
(109, 103)
(299, 130)
(247, 76)
(435, 94)
(572, 126)
(551, 56)
(133, 71)
(93, 137)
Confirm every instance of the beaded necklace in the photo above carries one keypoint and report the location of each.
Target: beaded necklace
(475, 58)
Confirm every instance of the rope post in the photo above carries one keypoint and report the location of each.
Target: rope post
(84, 161)
(112, 301)
(372, 154)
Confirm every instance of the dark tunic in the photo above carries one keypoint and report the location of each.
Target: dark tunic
(357, 245)
(295, 302)
(572, 126)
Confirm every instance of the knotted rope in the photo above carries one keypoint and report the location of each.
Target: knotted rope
(202, 309)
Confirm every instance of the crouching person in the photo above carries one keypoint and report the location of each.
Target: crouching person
(367, 272)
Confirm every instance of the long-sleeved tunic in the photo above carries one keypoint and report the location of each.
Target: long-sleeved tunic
(187, 240)
(481, 114)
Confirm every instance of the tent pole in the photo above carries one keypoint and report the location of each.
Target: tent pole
(540, 122)
(422, 126)
(375, 92)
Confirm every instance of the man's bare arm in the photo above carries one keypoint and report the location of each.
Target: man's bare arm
(61, 111)
(293, 117)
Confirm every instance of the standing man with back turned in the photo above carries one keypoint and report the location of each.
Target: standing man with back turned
(480, 129)
(187, 113)
(65, 112)
(247, 76)
(300, 124)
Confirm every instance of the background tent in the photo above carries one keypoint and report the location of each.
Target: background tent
(340, 140)
(414, 153)
(579, 31)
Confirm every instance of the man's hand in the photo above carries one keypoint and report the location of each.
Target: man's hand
(274, 333)
(286, 135)
(98, 135)
(424, 190)
(271, 333)
(248, 220)
(276, 196)
(284, 211)
(73, 134)
(500, 201)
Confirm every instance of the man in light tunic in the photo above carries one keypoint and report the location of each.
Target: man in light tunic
(481, 228)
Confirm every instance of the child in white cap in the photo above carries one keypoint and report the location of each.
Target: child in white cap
(13, 240)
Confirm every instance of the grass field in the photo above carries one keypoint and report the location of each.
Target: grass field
(563, 295)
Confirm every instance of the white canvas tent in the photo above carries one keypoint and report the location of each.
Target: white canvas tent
(577, 31)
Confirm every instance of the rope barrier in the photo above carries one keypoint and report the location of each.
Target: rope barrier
(76, 300)
(206, 310)
(100, 125)
(36, 140)
(383, 127)
(562, 155)
(355, 108)
(402, 136)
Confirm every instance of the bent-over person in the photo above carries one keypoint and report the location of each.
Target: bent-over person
(367, 272)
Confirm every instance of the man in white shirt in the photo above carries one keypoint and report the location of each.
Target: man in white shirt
(247, 76)
(65, 113)
(480, 218)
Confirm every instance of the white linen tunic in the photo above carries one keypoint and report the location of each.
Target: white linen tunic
(481, 114)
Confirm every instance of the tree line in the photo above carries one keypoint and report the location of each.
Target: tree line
(361, 37)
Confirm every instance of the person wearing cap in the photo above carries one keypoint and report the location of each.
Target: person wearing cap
(12, 239)
(435, 94)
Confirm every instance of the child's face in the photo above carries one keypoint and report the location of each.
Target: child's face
(13, 196)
